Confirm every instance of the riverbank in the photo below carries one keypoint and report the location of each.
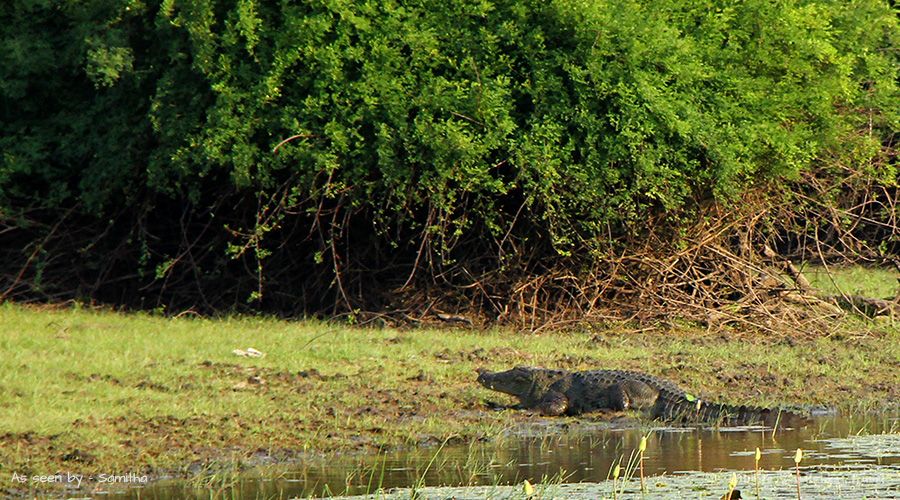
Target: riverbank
(97, 392)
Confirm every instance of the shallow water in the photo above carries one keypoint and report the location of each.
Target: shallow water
(817, 483)
(837, 451)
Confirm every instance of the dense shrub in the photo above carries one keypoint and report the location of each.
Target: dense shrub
(423, 128)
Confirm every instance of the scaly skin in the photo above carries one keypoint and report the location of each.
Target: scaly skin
(558, 392)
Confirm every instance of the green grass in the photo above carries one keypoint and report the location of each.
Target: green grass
(870, 282)
(139, 393)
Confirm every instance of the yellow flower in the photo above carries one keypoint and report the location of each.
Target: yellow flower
(528, 488)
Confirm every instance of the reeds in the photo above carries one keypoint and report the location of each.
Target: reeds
(756, 458)
(615, 473)
(642, 449)
(635, 466)
(732, 484)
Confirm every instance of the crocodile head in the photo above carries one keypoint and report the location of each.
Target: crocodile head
(527, 383)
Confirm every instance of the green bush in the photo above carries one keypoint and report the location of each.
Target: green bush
(433, 118)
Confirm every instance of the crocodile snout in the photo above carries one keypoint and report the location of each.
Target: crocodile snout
(483, 376)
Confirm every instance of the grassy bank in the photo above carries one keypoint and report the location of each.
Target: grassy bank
(92, 391)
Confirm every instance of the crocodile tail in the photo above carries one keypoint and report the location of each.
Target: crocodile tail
(694, 410)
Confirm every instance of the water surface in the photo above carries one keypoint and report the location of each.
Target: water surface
(836, 449)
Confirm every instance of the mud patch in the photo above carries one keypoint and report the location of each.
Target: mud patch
(148, 384)
(78, 456)
(94, 377)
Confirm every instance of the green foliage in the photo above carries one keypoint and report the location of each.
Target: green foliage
(71, 102)
(436, 116)
(105, 65)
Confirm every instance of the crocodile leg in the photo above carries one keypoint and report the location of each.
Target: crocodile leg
(631, 395)
(572, 400)
(617, 397)
(554, 404)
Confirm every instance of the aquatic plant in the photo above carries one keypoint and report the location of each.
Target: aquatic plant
(756, 468)
(615, 479)
(527, 489)
(732, 484)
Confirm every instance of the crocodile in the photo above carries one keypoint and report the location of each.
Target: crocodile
(560, 392)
